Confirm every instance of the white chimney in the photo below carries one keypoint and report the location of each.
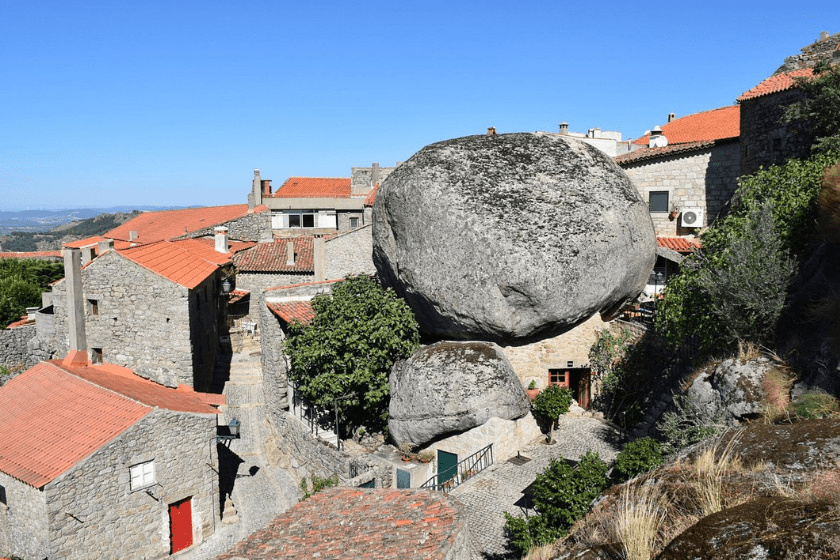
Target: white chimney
(221, 239)
(657, 139)
(132, 235)
(671, 116)
(564, 128)
(290, 253)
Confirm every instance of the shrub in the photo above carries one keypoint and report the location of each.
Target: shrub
(688, 423)
(562, 495)
(814, 404)
(317, 485)
(624, 365)
(553, 401)
(637, 457)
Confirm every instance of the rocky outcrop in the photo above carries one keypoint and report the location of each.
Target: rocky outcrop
(734, 388)
(451, 387)
(512, 237)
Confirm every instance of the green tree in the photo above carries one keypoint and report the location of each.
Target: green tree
(358, 332)
(820, 110)
(21, 283)
(553, 401)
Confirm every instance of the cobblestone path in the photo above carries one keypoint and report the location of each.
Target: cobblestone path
(499, 488)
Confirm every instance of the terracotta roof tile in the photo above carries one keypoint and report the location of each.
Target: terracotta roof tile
(679, 244)
(206, 249)
(86, 242)
(52, 420)
(22, 322)
(717, 124)
(31, 255)
(371, 197)
(290, 311)
(272, 257)
(349, 524)
(184, 265)
(314, 187)
(777, 83)
(670, 150)
(155, 226)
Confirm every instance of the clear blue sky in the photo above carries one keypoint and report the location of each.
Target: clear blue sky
(176, 102)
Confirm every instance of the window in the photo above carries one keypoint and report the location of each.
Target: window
(354, 222)
(658, 201)
(300, 219)
(94, 306)
(142, 475)
(556, 377)
(96, 355)
(3, 495)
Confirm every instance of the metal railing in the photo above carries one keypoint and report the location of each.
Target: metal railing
(453, 477)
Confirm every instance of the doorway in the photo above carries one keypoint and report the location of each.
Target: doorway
(180, 524)
(576, 379)
(447, 466)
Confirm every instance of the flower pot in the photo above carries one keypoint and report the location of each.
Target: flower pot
(532, 394)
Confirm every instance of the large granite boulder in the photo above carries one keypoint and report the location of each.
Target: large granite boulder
(451, 387)
(734, 389)
(511, 237)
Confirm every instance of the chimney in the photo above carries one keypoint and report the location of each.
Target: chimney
(671, 116)
(77, 356)
(132, 235)
(255, 198)
(491, 131)
(564, 128)
(266, 187)
(657, 139)
(319, 257)
(105, 246)
(290, 253)
(88, 254)
(221, 239)
(374, 174)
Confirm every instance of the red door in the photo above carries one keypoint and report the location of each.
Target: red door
(180, 525)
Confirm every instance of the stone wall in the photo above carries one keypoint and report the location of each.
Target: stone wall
(350, 253)
(343, 219)
(144, 321)
(531, 362)
(819, 49)
(23, 520)
(250, 227)
(765, 141)
(257, 282)
(699, 179)
(15, 354)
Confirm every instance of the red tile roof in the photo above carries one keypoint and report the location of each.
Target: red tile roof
(87, 242)
(653, 153)
(775, 84)
(187, 265)
(351, 524)
(22, 322)
(679, 244)
(206, 249)
(371, 197)
(717, 124)
(155, 226)
(291, 311)
(272, 257)
(314, 187)
(31, 255)
(52, 420)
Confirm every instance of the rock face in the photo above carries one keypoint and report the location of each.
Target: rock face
(735, 389)
(452, 387)
(511, 237)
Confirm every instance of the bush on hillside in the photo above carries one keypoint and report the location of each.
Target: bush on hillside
(562, 495)
(688, 423)
(636, 458)
(814, 404)
(819, 112)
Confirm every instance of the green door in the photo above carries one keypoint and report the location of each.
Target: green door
(447, 466)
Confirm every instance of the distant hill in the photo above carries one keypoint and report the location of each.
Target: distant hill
(46, 230)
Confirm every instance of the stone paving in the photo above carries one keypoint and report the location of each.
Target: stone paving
(499, 489)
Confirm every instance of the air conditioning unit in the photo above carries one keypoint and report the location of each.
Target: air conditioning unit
(692, 217)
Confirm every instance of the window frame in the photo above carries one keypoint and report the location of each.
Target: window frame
(143, 483)
(660, 210)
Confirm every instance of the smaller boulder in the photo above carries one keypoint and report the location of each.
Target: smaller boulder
(451, 387)
(734, 388)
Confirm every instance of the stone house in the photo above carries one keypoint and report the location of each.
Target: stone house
(688, 170)
(96, 462)
(156, 308)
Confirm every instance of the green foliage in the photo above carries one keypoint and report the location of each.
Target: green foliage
(772, 215)
(562, 495)
(820, 110)
(317, 485)
(21, 284)
(814, 404)
(623, 364)
(553, 401)
(358, 332)
(637, 457)
(4, 374)
(688, 423)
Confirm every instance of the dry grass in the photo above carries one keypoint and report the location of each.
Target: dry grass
(748, 351)
(544, 552)
(640, 516)
(824, 486)
(709, 366)
(778, 382)
(709, 470)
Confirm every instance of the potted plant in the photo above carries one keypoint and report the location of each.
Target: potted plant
(673, 213)
(532, 390)
(426, 456)
(405, 451)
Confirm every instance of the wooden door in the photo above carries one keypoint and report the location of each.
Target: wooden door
(180, 525)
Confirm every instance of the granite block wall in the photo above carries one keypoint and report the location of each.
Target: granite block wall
(23, 520)
(15, 353)
(766, 141)
(250, 227)
(257, 282)
(350, 253)
(93, 513)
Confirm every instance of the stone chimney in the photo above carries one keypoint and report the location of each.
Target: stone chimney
(221, 238)
(320, 258)
(77, 355)
(105, 246)
(132, 235)
(657, 139)
(266, 187)
(374, 174)
(564, 128)
(255, 198)
(290, 253)
(671, 116)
